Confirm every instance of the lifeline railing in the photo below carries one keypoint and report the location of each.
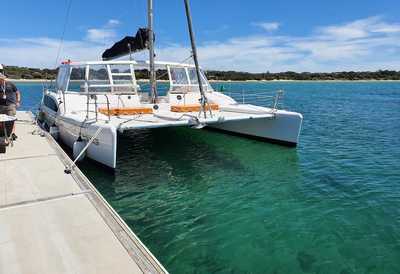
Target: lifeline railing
(91, 99)
(263, 98)
(93, 96)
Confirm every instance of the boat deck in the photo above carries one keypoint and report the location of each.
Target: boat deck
(166, 118)
(52, 222)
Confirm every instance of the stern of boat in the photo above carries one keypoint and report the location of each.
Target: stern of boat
(282, 128)
(104, 148)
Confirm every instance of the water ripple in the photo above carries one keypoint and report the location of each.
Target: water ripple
(205, 202)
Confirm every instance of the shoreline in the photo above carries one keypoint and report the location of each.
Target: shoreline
(29, 80)
(297, 81)
(226, 81)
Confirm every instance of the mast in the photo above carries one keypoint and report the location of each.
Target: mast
(153, 83)
(196, 61)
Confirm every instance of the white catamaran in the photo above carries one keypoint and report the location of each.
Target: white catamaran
(93, 102)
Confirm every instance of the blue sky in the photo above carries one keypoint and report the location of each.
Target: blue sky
(255, 35)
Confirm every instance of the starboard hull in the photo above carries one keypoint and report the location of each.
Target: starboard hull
(284, 128)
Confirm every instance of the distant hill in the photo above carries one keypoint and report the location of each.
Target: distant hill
(14, 72)
(306, 76)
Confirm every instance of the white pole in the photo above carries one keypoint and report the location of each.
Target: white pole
(153, 83)
(196, 61)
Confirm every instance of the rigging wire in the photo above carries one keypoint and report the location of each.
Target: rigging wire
(60, 46)
(63, 32)
(49, 85)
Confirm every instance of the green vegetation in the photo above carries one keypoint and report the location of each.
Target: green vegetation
(30, 73)
(34, 73)
(290, 75)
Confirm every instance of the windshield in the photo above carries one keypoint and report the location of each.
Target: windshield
(118, 78)
(99, 80)
(77, 79)
(186, 78)
(62, 78)
(193, 77)
(178, 76)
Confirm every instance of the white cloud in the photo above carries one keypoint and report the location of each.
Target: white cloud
(366, 44)
(42, 52)
(267, 26)
(104, 34)
(100, 35)
(352, 30)
(360, 29)
(113, 22)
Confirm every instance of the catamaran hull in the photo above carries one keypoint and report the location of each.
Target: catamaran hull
(284, 128)
(104, 147)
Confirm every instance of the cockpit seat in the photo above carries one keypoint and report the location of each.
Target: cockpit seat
(193, 107)
(126, 111)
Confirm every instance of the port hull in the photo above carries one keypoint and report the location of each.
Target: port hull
(103, 148)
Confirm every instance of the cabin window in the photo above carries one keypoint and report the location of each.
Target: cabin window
(99, 80)
(193, 77)
(122, 75)
(179, 76)
(77, 79)
(50, 103)
(184, 79)
(62, 78)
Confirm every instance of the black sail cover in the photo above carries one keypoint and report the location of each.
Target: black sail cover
(128, 45)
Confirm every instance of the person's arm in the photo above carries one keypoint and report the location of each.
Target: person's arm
(18, 95)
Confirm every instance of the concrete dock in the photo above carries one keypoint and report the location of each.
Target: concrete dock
(52, 222)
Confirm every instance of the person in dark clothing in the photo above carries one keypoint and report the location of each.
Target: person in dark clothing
(9, 98)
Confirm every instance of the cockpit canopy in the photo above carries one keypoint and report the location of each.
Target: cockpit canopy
(119, 77)
(185, 79)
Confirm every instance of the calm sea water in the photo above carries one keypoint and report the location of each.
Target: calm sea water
(205, 202)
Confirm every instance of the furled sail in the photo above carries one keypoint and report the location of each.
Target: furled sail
(128, 45)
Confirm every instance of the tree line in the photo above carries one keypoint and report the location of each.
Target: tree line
(305, 76)
(15, 72)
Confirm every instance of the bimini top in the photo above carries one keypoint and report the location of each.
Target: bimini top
(128, 45)
(119, 76)
(135, 63)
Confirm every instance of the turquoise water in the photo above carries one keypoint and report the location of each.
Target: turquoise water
(205, 202)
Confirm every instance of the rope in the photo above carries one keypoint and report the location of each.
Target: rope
(193, 118)
(69, 169)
